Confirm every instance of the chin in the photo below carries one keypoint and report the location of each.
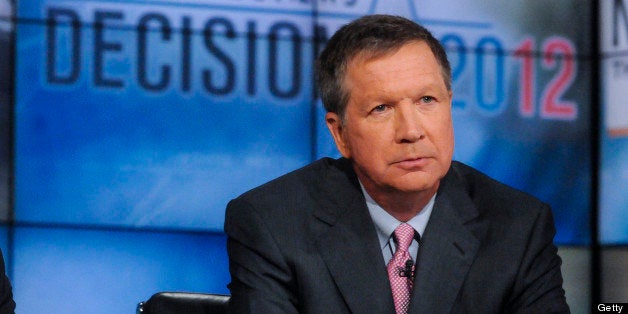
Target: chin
(416, 186)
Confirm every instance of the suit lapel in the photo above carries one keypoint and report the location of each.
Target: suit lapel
(349, 247)
(448, 247)
(347, 242)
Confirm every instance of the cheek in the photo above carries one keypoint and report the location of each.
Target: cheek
(450, 142)
(444, 137)
(447, 130)
(366, 145)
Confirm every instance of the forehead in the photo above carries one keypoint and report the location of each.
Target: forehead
(419, 49)
(411, 61)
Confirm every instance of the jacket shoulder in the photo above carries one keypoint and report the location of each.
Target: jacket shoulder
(486, 192)
(298, 181)
(322, 181)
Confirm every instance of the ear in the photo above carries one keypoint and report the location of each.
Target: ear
(336, 128)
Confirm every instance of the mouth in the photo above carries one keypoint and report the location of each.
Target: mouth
(412, 163)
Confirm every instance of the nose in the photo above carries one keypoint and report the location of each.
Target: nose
(408, 124)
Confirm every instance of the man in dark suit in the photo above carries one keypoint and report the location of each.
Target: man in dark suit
(394, 225)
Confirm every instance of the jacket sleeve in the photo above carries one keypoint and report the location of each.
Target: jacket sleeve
(538, 286)
(261, 279)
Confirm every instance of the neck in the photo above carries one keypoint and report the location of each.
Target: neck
(402, 205)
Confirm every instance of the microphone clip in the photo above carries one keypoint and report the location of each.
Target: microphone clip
(406, 271)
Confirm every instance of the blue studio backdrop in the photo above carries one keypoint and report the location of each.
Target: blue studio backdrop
(136, 121)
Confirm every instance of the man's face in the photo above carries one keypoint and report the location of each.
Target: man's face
(397, 127)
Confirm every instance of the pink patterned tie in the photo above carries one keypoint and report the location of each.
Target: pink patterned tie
(400, 270)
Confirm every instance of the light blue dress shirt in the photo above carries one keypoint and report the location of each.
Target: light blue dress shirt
(385, 224)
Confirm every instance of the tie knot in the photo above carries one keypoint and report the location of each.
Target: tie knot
(404, 235)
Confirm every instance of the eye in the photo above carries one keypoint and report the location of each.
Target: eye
(427, 99)
(380, 108)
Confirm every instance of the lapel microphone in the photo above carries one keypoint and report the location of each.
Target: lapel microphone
(407, 270)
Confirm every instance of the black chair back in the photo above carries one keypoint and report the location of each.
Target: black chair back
(184, 302)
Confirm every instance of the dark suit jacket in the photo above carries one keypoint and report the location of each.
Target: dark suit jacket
(306, 243)
(7, 305)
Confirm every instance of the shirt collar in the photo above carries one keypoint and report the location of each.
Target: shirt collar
(385, 224)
